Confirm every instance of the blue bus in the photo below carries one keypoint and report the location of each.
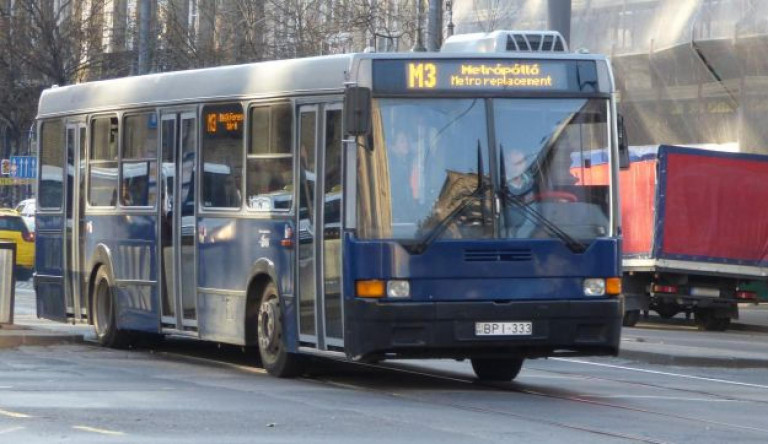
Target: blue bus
(364, 206)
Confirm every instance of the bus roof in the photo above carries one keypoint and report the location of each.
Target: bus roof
(316, 75)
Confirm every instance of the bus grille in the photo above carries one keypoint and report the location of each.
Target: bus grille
(497, 255)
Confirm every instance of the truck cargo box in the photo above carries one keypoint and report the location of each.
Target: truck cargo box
(692, 209)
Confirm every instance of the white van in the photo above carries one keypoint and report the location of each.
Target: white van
(27, 210)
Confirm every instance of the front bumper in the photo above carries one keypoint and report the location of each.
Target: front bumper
(447, 329)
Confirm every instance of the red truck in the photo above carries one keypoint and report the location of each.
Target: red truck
(695, 226)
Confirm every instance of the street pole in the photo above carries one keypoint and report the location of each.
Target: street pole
(435, 25)
(418, 45)
(559, 18)
(145, 21)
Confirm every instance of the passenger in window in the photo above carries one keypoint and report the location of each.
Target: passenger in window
(405, 158)
(521, 190)
(232, 196)
(519, 179)
(126, 199)
(406, 182)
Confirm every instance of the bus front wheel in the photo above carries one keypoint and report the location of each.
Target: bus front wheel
(104, 319)
(497, 369)
(274, 357)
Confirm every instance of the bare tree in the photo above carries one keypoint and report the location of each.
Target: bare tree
(43, 43)
(493, 14)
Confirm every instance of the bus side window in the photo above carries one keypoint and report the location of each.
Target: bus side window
(50, 192)
(102, 165)
(222, 152)
(269, 184)
(138, 165)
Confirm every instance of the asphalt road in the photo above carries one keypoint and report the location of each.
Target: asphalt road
(190, 391)
(198, 393)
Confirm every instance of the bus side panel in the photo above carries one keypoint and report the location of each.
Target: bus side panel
(131, 240)
(228, 248)
(48, 265)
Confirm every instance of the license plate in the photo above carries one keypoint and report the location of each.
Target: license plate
(503, 328)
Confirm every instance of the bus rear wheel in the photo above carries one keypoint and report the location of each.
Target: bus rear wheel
(274, 356)
(497, 369)
(104, 319)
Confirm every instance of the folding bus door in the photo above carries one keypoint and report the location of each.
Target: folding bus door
(74, 204)
(333, 307)
(56, 141)
(319, 253)
(177, 258)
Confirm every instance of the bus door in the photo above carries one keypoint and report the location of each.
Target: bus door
(74, 206)
(319, 252)
(177, 227)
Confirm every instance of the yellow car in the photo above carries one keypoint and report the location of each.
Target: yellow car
(13, 229)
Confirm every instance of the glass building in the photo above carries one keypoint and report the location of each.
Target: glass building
(690, 72)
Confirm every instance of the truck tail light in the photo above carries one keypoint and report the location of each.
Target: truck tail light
(664, 289)
(748, 295)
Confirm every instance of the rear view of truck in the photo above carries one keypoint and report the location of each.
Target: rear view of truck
(695, 231)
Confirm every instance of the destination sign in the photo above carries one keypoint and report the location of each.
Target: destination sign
(478, 75)
(225, 119)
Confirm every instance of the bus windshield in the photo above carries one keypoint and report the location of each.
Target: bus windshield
(546, 147)
(431, 167)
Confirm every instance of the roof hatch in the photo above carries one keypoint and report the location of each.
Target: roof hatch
(506, 41)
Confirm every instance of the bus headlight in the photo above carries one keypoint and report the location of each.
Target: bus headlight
(398, 289)
(594, 287)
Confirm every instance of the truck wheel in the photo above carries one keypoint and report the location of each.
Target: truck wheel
(497, 369)
(274, 357)
(630, 318)
(707, 321)
(104, 319)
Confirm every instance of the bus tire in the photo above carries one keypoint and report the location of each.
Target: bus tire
(497, 369)
(630, 318)
(274, 357)
(104, 310)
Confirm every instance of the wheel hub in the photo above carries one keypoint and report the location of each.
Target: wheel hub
(267, 331)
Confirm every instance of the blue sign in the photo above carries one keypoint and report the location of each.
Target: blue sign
(23, 167)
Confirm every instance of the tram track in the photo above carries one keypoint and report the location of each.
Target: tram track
(659, 386)
(512, 387)
(439, 375)
(474, 409)
(328, 381)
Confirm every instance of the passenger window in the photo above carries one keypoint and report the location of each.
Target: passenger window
(139, 172)
(50, 192)
(222, 153)
(102, 187)
(269, 184)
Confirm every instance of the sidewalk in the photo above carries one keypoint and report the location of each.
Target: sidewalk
(28, 330)
(678, 342)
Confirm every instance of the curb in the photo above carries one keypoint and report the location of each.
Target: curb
(748, 327)
(692, 361)
(16, 336)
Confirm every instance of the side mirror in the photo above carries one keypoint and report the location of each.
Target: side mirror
(357, 110)
(623, 143)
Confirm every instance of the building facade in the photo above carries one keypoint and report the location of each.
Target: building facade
(690, 72)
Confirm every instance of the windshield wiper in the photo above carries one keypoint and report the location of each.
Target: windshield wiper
(534, 215)
(478, 194)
